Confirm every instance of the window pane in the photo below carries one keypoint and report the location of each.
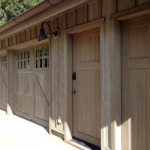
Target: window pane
(17, 65)
(28, 65)
(24, 55)
(40, 52)
(36, 63)
(27, 54)
(35, 53)
(21, 65)
(21, 55)
(45, 63)
(45, 51)
(25, 65)
(40, 63)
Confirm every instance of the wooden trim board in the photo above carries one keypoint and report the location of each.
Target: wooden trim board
(27, 44)
(68, 72)
(84, 27)
(132, 13)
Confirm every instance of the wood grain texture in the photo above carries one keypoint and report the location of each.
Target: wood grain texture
(141, 2)
(87, 86)
(94, 10)
(125, 4)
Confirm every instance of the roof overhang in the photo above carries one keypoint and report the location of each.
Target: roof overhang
(44, 11)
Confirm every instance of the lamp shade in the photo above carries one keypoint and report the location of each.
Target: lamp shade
(42, 35)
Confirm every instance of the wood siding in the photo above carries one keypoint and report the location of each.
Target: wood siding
(128, 4)
(77, 16)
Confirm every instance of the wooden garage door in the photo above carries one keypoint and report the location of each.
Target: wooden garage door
(86, 100)
(136, 84)
(32, 84)
(3, 83)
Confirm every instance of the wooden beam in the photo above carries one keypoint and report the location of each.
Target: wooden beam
(2, 51)
(45, 15)
(27, 44)
(132, 13)
(84, 27)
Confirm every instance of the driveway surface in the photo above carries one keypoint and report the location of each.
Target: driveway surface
(19, 134)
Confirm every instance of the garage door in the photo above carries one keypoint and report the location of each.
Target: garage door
(32, 86)
(3, 82)
(136, 84)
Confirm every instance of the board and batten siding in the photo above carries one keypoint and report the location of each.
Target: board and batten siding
(77, 16)
(128, 4)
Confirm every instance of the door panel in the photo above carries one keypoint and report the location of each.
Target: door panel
(41, 97)
(86, 101)
(3, 82)
(4, 89)
(136, 85)
(23, 92)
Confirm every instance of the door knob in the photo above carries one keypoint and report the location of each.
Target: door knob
(73, 92)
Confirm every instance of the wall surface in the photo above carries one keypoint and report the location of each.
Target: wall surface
(111, 60)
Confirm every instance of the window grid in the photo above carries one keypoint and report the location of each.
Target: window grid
(41, 57)
(23, 60)
(4, 62)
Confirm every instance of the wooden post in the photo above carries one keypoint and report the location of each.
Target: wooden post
(68, 86)
(115, 70)
(10, 103)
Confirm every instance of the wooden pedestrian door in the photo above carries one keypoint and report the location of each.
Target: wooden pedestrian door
(3, 82)
(86, 86)
(32, 87)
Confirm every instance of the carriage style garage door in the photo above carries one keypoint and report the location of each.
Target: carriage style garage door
(32, 87)
(3, 82)
(136, 84)
(86, 98)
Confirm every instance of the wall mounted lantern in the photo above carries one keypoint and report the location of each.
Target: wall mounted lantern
(42, 35)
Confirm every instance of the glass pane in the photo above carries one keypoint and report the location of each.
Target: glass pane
(17, 65)
(24, 55)
(36, 63)
(21, 65)
(40, 63)
(21, 55)
(28, 65)
(45, 51)
(27, 54)
(45, 62)
(6, 58)
(25, 65)
(40, 52)
(2, 59)
(35, 53)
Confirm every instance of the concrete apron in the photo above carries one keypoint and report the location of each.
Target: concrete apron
(19, 134)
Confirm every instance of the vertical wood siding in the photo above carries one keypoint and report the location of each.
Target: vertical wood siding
(127, 4)
(78, 16)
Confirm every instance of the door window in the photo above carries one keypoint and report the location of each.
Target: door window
(41, 57)
(4, 62)
(23, 60)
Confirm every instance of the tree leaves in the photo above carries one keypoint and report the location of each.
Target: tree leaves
(9, 9)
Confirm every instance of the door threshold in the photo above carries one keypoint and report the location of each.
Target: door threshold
(78, 144)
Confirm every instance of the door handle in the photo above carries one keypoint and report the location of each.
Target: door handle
(73, 92)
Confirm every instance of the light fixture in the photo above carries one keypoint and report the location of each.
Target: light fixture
(42, 35)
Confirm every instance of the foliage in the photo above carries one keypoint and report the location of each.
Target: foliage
(10, 9)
